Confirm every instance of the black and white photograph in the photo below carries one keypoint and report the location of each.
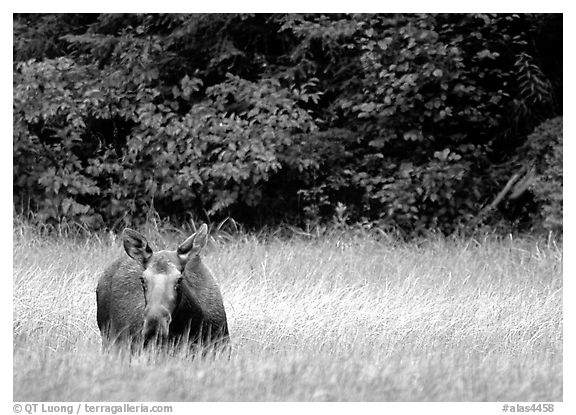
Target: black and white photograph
(287, 207)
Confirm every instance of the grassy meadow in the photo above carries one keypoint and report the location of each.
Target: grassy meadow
(344, 318)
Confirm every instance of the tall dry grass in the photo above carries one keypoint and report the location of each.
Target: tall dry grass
(334, 318)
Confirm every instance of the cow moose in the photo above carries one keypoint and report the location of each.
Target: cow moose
(161, 297)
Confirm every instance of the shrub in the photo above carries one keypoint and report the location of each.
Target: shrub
(544, 151)
(408, 121)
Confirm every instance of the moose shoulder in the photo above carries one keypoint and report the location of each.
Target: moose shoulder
(163, 296)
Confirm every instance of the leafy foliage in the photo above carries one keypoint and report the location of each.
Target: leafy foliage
(544, 151)
(398, 120)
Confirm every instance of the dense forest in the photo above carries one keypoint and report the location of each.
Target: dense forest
(407, 122)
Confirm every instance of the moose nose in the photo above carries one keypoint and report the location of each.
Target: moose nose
(156, 323)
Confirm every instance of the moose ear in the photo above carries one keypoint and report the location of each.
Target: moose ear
(136, 246)
(194, 244)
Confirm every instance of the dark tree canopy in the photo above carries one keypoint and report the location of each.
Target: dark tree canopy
(404, 121)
